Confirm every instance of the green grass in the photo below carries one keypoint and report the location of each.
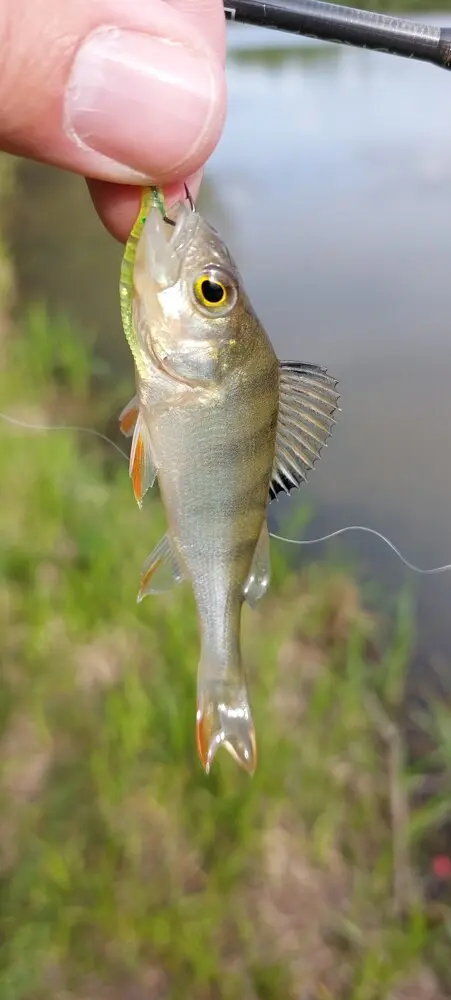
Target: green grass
(126, 872)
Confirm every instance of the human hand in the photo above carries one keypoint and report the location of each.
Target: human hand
(124, 92)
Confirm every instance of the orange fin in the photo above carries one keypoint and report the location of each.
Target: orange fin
(161, 570)
(142, 468)
(224, 719)
(129, 416)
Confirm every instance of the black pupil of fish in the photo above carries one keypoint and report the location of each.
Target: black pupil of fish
(212, 291)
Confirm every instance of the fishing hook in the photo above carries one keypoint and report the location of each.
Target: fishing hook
(192, 206)
(190, 198)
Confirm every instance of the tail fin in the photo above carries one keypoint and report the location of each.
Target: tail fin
(224, 719)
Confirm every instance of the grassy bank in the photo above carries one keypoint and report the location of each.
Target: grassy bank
(125, 872)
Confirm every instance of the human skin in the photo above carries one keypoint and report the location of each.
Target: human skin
(124, 92)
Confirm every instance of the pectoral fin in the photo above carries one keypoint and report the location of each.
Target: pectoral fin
(142, 468)
(259, 576)
(129, 416)
(161, 570)
(307, 403)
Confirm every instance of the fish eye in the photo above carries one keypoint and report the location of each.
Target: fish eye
(214, 292)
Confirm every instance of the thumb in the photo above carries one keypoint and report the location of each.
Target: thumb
(132, 92)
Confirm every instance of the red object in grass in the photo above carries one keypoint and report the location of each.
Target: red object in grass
(441, 866)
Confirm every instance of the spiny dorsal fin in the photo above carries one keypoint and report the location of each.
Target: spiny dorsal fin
(161, 570)
(307, 403)
(129, 416)
(142, 468)
(258, 580)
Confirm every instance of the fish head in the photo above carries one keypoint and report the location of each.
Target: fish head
(192, 311)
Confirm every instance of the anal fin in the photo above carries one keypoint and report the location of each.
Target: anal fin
(307, 403)
(161, 570)
(258, 580)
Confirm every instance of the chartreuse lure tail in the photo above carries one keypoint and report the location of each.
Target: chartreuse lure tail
(151, 198)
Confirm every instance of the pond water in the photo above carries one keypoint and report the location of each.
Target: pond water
(332, 185)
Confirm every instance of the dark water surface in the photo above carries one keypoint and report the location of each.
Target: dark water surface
(332, 184)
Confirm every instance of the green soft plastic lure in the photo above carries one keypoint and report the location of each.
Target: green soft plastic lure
(152, 197)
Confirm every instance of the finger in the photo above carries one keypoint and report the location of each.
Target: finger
(118, 204)
(208, 17)
(127, 92)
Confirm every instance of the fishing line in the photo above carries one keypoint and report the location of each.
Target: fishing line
(433, 571)
(64, 427)
(370, 531)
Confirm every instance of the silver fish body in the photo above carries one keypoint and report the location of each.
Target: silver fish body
(224, 427)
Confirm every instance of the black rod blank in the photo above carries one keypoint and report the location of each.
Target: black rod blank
(348, 26)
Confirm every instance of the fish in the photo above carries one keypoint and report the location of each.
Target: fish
(225, 428)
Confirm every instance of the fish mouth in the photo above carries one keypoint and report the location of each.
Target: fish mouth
(165, 244)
